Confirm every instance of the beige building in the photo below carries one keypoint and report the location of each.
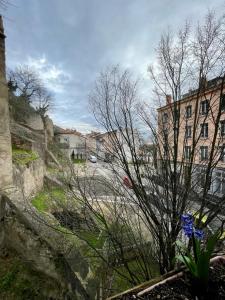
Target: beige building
(102, 144)
(73, 143)
(196, 119)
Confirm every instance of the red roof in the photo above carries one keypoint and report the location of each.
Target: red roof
(70, 131)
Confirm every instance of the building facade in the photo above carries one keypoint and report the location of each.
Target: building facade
(72, 142)
(195, 126)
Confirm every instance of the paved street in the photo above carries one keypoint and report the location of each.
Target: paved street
(97, 175)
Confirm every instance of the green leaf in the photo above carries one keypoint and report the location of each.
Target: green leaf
(181, 245)
(189, 262)
(211, 243)
(203, 267)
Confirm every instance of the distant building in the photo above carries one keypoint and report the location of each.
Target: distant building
(72, 142)
(103, 144)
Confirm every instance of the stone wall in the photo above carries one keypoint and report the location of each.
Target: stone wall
(29, 178)
(21, 143)
(35, 122)
(5, 139)
(49, 129)
(39, 246)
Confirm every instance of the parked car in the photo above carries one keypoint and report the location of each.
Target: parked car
(93, 158)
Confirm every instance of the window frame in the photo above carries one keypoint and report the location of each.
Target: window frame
(165, 117)
(222, 153)
(222, 126)
(204, 107)
(188, 131)
(204, 150)
(204, 133)
(222, 102)
(188, 112)
(187, 152)
(219, 181)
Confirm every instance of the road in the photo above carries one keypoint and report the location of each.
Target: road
(98, 174)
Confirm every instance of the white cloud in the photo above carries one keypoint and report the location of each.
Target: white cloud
(83, 127)
(53, 76)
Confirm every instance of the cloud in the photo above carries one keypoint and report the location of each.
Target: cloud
(70, 44)
(83, 127)
(53, 76)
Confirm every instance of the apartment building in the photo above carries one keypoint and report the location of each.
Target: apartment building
(196, 124)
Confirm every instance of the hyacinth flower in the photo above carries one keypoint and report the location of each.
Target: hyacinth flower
(198, 258)
(189, 228)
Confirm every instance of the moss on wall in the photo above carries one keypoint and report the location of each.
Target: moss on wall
(46, 200)
(23, 157)
(18, 281)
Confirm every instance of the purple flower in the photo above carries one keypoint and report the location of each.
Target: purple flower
(188, 229)
(187, 219)
(199, 234)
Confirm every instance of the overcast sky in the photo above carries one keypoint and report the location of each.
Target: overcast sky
(70, 41)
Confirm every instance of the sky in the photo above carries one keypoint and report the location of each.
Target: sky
(69, 42)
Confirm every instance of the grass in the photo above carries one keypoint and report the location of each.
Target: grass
(79, 161)
(44, 200)
(23, 157)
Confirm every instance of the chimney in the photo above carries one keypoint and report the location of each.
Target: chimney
(168, 99)
(2, 50)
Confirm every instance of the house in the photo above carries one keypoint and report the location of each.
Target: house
(104, 145)
(198, 118)
(91, 142)
(72, 142)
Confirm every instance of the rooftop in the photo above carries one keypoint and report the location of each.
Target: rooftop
(209, 85)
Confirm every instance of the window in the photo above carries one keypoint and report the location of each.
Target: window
(199, 177)
(222, 102)
(219, 182)
(66, 139)
(222, 153)
(188, 111)
(188, 131)
(203, 152)
(222, 128)
(187, 152)
(204, 130)
(165, 117)
(176, 114)
(165, 133)
(204, 107)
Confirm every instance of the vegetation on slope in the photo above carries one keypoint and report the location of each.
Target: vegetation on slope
(19, 282)
(46, 200)
(23, 157)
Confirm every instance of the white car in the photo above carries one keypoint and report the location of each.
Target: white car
(93, 158)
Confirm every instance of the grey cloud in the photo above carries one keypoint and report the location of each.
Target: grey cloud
(80, 37)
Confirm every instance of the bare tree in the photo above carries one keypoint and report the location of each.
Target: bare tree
(186, 60)
(146, 210)
(25, 82)
(43, 102)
